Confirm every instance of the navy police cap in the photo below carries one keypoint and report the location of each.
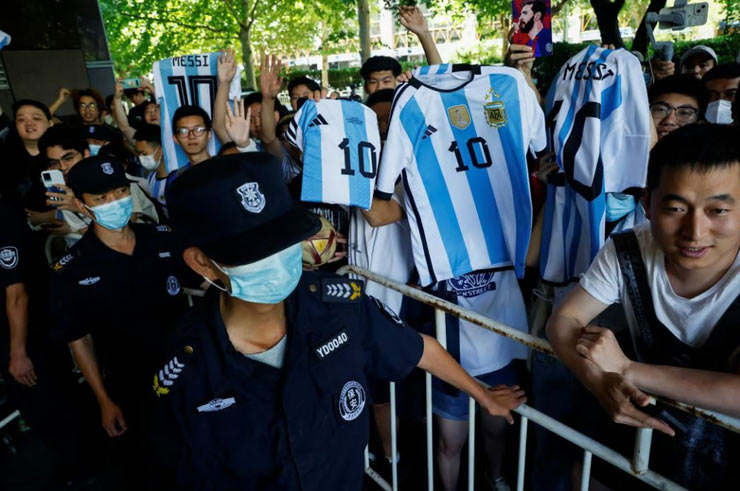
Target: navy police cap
(237, 209)
(97, 175)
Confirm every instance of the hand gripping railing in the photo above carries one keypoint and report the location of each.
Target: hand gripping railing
(638, 466)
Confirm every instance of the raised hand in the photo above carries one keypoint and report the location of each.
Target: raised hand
(270, 80)
(226, 66)
(237, 123)
(520, 57)
(412, 19)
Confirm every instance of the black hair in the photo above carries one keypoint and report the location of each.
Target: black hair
(226, 146)
(385, 95)
(150, 133)
(30, 102)
(62, 135)
(118, 150)
(312, 85)
(682, 83)
(700, 147)
(252, 98)
(89, 93)
(185, 111)
(380, 64)
(537, 6)
(725, 70)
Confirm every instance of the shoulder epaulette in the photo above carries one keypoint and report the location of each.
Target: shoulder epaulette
(163, 228)
(165, 378)
(341, 290)
(63, 261)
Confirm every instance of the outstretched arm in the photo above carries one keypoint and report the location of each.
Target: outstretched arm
(119, 115)
(270, 83)
(412, 19)
(498, 401)
(226, 72)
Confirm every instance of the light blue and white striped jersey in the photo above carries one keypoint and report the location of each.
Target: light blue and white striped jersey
(459, 136)
(598, 122)
(183, 80)
(340, 144)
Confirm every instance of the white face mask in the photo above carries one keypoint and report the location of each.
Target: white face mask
(149, 162)
(719, 112)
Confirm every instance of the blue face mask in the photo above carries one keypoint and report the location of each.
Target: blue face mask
(114, 215)
(94, 149)
(269, 280)
(619, 205)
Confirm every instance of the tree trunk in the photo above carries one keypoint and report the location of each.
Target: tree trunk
(363, 16)
(247, 58)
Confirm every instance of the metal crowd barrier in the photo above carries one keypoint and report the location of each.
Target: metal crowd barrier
(637, 466)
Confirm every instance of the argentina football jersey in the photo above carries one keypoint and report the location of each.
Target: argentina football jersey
(341, 147)
(598, 123)
(458, 137)
(187, 80)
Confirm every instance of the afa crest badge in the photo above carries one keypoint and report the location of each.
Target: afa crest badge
(495, 110)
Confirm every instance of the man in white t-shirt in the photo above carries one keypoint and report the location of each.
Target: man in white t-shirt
(684, 332)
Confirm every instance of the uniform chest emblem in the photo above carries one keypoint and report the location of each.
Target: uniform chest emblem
(8, 257)
(216, 405)
(90, 280)
(251, 198)
(333, 344)
(173, 286)
(351, 400)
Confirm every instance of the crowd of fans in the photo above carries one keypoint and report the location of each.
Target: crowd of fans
(85, 303)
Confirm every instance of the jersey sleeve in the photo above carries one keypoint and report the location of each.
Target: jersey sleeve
(536, 123)
(67, 311)
(398, 148)
(12, 254)
(392, 348)
(294, 132)
(603, 279)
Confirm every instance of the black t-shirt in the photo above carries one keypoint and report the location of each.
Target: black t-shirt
(20, 174)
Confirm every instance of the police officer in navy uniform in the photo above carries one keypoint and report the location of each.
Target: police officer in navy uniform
(114, 295)
(267, 383)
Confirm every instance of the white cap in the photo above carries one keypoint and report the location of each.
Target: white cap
(699, 50)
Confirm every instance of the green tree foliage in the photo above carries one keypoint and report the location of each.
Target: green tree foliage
(141, 32)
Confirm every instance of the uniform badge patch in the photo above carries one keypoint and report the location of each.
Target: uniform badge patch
(216, 405)
(351, 400)
(459, 116)
(173, 286)
(90, 280)
(163, 228)
(251, 198)
(495, 110)
(107, 168)
(333, 344)
(341, 290)
(8, 257)
(388, 312)
(166, 376)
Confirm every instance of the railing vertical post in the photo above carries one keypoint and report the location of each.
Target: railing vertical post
(522, 453)
(430, 443)
(586, 472)
(471, 444)
(394, 436)
(641, 456)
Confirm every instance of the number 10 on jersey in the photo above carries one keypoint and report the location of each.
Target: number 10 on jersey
(366, 156)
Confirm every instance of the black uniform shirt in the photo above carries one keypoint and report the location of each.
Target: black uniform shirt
(242, 424)
(126, 302)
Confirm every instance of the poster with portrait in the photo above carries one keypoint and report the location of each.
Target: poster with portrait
(532, 24)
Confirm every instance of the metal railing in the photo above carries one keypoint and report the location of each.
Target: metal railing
(638, 466)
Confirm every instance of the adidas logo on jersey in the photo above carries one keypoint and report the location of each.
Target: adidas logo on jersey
(318, 121)
(429, 131)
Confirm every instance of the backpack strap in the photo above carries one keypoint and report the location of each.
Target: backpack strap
(638, 290)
